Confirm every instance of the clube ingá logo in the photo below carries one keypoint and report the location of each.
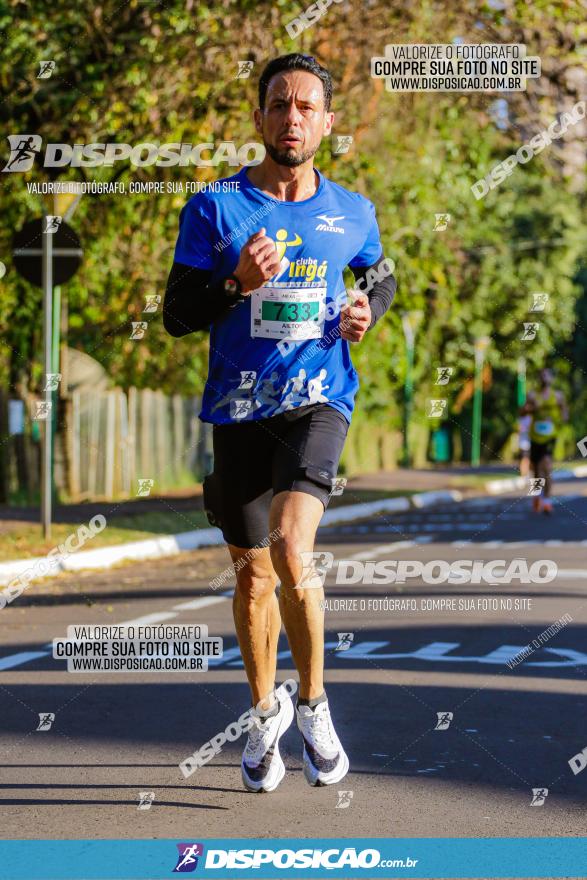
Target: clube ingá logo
(187, 859)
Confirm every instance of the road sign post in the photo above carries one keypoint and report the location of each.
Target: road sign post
(47, 254)
(410, 321)
(47, 460)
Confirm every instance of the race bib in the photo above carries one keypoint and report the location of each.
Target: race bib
(544, 428)
(293, 312)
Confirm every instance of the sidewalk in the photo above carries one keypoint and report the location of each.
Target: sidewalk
(462, 477)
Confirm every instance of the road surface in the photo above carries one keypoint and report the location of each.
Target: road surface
(513, 728)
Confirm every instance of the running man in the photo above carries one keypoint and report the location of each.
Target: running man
(548, 411)
(261, 269)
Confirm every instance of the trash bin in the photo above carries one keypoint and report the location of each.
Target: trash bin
(441, 446)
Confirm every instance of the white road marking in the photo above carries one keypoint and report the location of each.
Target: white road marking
(228, 656)
(193, 604)
(23, 657)
(426, 527)
(381, 549)
(522, 543)
(487, 544)
(18, 659)
(148, 619)
(434, 652)
(493, 544)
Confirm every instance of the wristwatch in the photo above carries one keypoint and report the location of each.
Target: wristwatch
(232, 290)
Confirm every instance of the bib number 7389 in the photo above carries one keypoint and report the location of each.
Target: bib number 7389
(296, 313)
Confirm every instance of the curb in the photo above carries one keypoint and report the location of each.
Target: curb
(171, 545)
(508, 484)
(105, 557)
(442, 496)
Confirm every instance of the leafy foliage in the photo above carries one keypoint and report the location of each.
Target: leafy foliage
(136, 73)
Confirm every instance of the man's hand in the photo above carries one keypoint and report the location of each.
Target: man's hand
(356, 317)
(258, 261)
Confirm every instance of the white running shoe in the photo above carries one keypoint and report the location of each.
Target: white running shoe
(325, 760)
(261, 766)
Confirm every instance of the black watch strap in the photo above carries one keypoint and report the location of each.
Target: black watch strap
(232, 289)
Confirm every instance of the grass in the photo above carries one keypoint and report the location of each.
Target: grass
(27, 540)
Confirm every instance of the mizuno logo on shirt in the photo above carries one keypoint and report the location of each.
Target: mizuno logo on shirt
(328, 225)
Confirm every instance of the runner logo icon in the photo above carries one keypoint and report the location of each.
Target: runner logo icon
(315, 564)
(345, 641)
(344, 799)
(46, 719)
(187, 860)
(23, 150)
(444, 719)
(539, 795)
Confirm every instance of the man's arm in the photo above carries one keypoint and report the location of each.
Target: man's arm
(191, 301)
(370, 303)
(382, 293)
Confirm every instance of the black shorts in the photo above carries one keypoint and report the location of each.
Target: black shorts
(255, 460)
(539, 450)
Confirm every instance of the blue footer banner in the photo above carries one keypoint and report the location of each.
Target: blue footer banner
(374, 857)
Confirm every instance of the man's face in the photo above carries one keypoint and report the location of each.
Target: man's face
(293, 121)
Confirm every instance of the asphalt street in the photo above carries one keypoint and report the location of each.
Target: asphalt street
(407, 660)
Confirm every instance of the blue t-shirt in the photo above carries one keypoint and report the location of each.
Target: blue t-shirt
(281, 348)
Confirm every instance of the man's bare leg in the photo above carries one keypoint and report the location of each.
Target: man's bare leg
(256, 619)
(297, 516)
(257, 622)
(545, 470)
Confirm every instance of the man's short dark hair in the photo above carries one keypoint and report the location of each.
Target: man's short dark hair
(295, 61)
